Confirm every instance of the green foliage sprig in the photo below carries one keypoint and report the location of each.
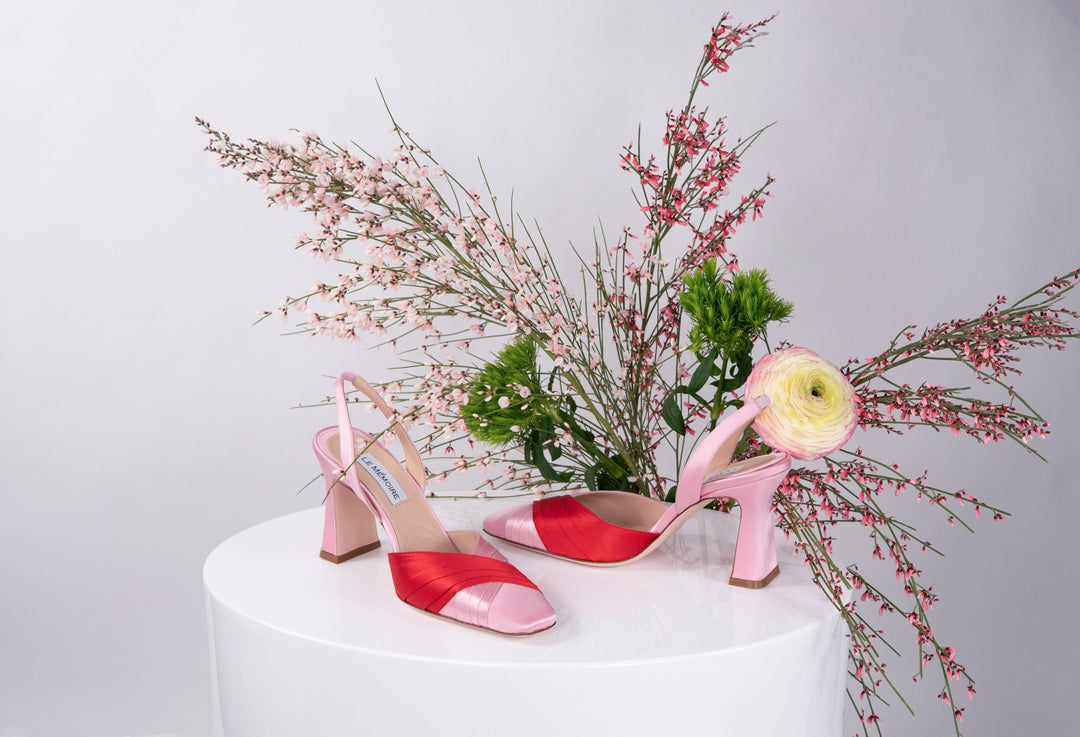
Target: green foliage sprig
(506, 398)
(508, 404)
(728, 316)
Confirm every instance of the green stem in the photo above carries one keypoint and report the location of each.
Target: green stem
(718, 403)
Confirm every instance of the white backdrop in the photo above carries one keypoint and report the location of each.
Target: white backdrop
(926, 161)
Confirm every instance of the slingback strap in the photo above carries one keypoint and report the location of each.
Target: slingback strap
(429, 580)
(413, 464)
(570, 529)
(715, 452)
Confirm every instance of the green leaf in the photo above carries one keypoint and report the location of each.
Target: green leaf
(547, 432)
(582, 434)
(672, 415)
(590, 477)
(613, 481)
(545, 468)
(744, 364)
(702, 372)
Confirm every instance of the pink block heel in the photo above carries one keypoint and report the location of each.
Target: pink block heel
(454, 575)
(607, 528)
(349, 528)
(755, 547)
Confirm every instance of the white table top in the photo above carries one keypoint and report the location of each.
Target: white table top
(673, 604)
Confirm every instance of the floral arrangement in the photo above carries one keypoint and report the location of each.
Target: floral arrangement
(606, 381)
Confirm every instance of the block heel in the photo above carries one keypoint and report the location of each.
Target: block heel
(349, 528)
(755, 548)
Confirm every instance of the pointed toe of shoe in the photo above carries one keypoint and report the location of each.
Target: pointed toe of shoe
(519, 610)
(495, 523)
(503, 607)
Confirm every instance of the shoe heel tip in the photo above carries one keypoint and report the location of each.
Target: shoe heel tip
(350, 555)
(747, 584)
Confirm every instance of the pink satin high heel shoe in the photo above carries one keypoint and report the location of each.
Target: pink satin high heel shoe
(457, 575)
(606, 528)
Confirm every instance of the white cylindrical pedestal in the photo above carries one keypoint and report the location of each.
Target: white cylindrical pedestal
(661, 646)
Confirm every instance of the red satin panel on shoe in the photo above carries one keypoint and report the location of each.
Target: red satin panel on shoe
(568, 528)
(429, 580)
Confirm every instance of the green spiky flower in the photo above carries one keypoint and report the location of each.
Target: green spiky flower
(729, 316)
(506, 398)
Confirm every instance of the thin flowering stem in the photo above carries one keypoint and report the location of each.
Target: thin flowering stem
(986, 343)
(845, 491)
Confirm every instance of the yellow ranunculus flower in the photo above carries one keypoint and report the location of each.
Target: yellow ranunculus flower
(812, 405)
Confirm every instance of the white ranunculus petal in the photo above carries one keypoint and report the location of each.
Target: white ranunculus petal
(812, 404)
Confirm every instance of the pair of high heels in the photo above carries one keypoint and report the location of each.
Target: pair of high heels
(460, 576)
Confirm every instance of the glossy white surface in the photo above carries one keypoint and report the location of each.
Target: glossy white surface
(301, 644)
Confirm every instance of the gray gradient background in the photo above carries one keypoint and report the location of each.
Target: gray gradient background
(926, 160)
